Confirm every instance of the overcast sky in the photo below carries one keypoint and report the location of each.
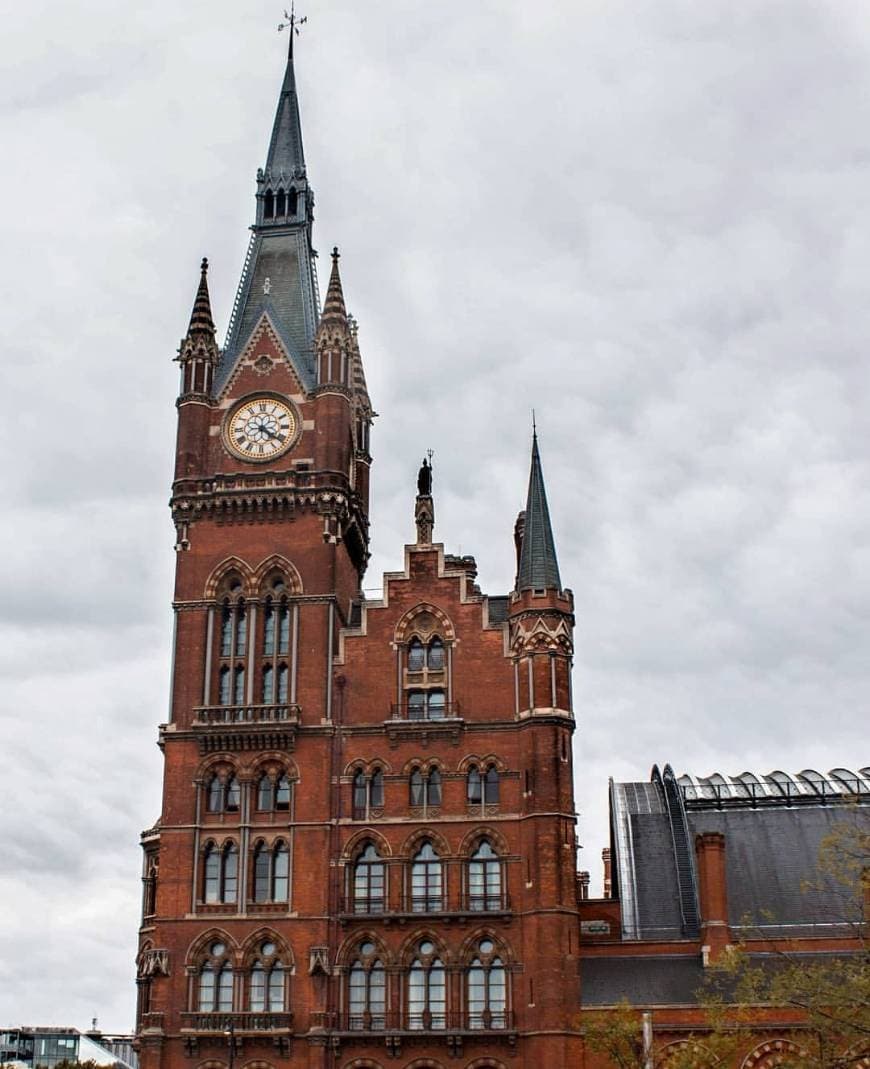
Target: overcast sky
(649, 220)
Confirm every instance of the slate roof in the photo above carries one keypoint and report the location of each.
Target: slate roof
(539, 568)
(772, 844)
(670, 980)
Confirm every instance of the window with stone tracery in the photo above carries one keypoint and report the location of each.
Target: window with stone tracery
(214, 988)
(367, 990)
(369, 881)
(424, 657)
(427, 880)
(427, 989)
(368, 793)
(220, 873)
(267, 983)
(486, 988)
(485, 879)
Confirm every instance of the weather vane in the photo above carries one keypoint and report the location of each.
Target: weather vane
(292, 24)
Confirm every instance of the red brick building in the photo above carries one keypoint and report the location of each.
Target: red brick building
(366, 851)
(367, 845)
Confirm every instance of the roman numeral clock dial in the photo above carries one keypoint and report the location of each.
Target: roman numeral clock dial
(261, 428)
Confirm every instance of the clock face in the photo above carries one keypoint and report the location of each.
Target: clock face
(261, 428)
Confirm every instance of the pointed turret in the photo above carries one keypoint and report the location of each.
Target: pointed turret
(279, 280)
(334, 310)
(198, 353)
(538, 566)
(332, 343)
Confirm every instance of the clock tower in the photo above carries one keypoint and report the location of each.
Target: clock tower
(366, 847)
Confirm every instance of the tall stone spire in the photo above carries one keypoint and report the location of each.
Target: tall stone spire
(538, 567)
(279, 277)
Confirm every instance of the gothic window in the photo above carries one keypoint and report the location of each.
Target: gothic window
(484, 878)
(424, 788)
(215, 795)
(486, 988)
(271, 872)
(435, 655)
(232, 646)
(220, 873)
(416, 655)
(426, 881)
(215, 982)
(482, 787)
(429, 656)
(427, 990)
(225, 690)
(276, 644)
(292, 201)
(268, 985)
(269, 205)
(368, 793)
(222, 794)
(281, 204)
(274, 793)
(367, 991)
(369, 882)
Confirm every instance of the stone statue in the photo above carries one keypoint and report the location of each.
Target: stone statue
(424, 479)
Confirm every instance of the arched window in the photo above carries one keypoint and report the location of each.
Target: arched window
(269, 614)
(369, 882)
(232, 794)
(215, 982)
(416, 655)
(220, 873)
(271, 872)
(225, 689)
(269, 205)
(482, 788)
(474, 787)
(268, 685)
(368, 793)
(292, 201)
(367, 991)
(424, 788)
(274, 793)
(268, 989)
(427, 990)
(427, 894)
(281, 204)
(215, 795)
(416, 788)
(283, 677)
(239, 686)
(435, 655)
(226, 629)
(490, 786)
(484, 878)
(376, 790)
(486, 989)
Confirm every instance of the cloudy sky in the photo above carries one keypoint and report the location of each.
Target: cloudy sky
(648, 220)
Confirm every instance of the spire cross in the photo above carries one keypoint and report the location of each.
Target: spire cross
(292, 24)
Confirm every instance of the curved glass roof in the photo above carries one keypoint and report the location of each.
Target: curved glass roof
(777, 784)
